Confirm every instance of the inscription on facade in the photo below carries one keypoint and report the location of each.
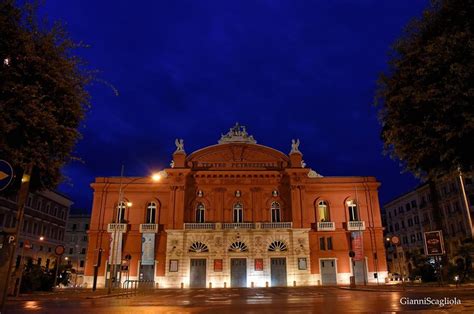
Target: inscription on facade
(238, 165)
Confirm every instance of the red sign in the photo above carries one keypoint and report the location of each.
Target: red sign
(27, 244)
(59, 250)
(217, 265)
(357, 245)
(259, 264)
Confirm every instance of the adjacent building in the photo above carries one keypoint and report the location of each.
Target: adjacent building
(44, 226)
(411, 214)
(75, 243)
(236, 214)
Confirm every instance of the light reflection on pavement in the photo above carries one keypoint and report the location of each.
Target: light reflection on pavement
(262, 300)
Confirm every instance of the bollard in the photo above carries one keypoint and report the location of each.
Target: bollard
(266, 284)
(251, 284)
(210, 285)
(294, 283)
(182, 285)
(225, 284)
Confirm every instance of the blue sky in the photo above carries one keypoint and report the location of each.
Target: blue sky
(191, 69)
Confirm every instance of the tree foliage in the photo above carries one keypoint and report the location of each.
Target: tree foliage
(426, 96)
(42, 93)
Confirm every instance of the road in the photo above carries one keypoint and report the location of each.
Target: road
(262, 300)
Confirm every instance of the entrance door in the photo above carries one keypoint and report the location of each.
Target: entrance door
(147, 272)
(278, 272)
(238, 272)
(328, 272)
(359, 270)
(197, 273)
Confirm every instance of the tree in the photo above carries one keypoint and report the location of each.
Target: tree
(42, 94)
(426, 97)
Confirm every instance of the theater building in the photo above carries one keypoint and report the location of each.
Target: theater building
(236, 214)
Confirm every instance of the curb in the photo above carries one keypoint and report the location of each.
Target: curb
(108, 295)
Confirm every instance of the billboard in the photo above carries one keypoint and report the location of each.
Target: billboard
(357, 245)
(148, 249)
(434, 244)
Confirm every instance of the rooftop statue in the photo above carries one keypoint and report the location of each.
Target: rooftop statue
(295, 144)
(179, 145)
(237, 134)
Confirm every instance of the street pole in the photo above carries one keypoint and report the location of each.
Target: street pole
(58, 263)
(466, 204)
(17, 292)
(114, 240)
(5, 274)
(400, 266)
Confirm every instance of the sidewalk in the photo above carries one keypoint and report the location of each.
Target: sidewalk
(68, 294)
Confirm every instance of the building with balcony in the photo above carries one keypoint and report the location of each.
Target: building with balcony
(75, 243)
(411, 214)
(236, 214)
(44, 226)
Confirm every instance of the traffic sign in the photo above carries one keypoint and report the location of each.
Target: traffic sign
(27, 244)
(6, 174)
(59, 250)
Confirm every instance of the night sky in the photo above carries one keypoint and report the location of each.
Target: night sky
(191, 69)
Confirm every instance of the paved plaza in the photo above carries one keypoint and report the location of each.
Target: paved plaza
(261, 300)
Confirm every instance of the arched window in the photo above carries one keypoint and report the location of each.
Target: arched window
(150, 213)
(238, 213)
(121, 212)
(323, 211)
(353, 210)
(277, 246)
(238, 246)
(276, 212)
(198, 247)
(200, 212)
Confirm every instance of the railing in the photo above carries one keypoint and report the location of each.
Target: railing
(355, 225)
(116, 227)
(132, 287)
(243, 225)
(276, 225)
(149, 228)
(200, 226)
(326, 226)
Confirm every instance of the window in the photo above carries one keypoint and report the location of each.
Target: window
(403, 224)
(397, 227)
(405, 240)
(39, 205)
(200, 213)
(412, 238)
(413, 204)
(417, 220)
(329, 240)
(74, 227)
(323, 211)
(151, 213)
(86, 227)
(418, 236)
(48, 208)
(81, 264)
(238, 213)
(410, 222)
(390, 228)
(71, 250)
(353, 211)
(322, 244)
(84, 238)
(407, 207)
(39, 261)
(389, 215)
(276, 212)
(121, 212)
(55, 211)
(83, 251)
(30, 201)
